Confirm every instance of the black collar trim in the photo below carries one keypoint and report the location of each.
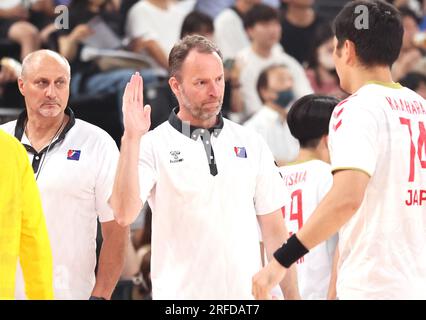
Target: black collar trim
(194, 132)
(22, 120)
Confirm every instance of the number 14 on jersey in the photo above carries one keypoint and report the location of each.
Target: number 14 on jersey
(417, 150)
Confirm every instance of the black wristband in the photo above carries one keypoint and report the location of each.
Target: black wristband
(96, 298)
(290, 252)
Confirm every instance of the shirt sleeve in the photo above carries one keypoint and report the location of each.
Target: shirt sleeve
(35, 251)
(271, 193)
(229, 34)
(147, 168)
(353, 136)
(107, 165)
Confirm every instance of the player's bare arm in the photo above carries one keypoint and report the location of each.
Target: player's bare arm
(337, 207)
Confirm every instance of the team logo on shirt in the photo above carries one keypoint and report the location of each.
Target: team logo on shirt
(176, 157)
(336, 116)
(337, 125)
(240, 152)
(338, 112)
(73, 155)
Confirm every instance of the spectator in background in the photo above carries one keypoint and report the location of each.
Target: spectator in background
(14, 25)
(38, 13)
(327, 9)
(415, 81)
(230, 34)
(10, 69)
(411, 52)
(298, 22)
(90, 77)
(137, 265)
(213, 8)
(414, 5)
(153, 27)
(197, 23)
(275, 89)
(321, 70)
(264, 29)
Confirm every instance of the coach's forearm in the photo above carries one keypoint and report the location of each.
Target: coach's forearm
(125, 199)
(274, 233)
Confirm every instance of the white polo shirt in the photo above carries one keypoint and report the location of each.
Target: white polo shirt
(75, 179)
(229, 33)
(381, 130)
(308, 182)
(154, 23)
(205, 243)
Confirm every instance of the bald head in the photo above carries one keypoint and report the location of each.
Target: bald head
(40, 58)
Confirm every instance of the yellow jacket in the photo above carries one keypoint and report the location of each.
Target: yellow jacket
(23, 231)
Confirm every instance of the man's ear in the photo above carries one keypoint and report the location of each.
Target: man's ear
(174, 85)
(325, 140)
(249, 32)
(350, 52)
(21, 85)
(264, 94)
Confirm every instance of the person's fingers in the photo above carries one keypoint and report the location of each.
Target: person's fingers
(255, 288)
(141, 90)
(134, 82)
(147, 113)
(126, 95)
(131, 89)
(261, 294)
(260, 290)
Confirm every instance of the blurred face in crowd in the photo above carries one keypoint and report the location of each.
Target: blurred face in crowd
(279, 87)
(265, 33)
(325, 55)
(410, 30)
(45, 86)
(200, 86)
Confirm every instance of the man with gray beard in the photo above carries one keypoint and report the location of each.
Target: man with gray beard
(209, 182)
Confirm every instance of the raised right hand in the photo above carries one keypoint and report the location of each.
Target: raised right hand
(136, 117)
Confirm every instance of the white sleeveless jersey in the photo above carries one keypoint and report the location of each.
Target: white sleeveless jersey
(308, 182)
(381, 130)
